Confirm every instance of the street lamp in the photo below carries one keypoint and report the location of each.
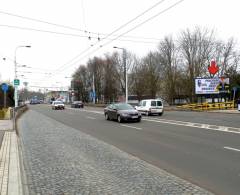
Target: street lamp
(15, 74)
(125, 71)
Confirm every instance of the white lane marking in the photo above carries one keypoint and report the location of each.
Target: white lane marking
(229, 148)
(89, 117)
(183, 123)
(132, 127)
(196, 125)
(92, 111)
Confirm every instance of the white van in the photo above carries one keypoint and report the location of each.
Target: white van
(150, 106)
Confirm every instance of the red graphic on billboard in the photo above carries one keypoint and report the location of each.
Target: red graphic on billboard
(213, 68)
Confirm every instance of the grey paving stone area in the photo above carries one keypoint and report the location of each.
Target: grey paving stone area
(60, 160)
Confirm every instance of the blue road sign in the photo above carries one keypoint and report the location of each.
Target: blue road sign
(92, 94)
(5, 87)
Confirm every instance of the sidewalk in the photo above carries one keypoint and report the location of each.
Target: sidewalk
(10, 175)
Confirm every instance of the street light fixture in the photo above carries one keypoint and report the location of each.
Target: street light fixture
(125, 71)
(15, 74)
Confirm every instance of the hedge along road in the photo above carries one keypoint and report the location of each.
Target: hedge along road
(199, 155)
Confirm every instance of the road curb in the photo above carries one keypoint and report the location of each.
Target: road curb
(23, 173)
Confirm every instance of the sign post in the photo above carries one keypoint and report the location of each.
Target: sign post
(234, 92)
(5, 89)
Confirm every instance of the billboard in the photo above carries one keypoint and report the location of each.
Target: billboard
(211, 85)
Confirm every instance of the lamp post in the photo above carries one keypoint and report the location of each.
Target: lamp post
(15, 74)
(125, 71)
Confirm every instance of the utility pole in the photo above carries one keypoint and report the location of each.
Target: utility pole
(94, 93)
(15, 75)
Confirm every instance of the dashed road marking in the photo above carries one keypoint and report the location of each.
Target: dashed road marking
(138, 128)
(183, 123)
(230, 148)
(89, 117)
(83, 110)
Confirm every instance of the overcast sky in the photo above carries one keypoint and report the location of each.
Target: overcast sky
(58, 51)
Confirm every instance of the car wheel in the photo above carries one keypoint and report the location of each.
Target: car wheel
(139, 120)
(106, 116)
(160, 114)
(119, 119)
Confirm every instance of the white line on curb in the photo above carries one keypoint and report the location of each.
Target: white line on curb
(132, 127)
(229, 148)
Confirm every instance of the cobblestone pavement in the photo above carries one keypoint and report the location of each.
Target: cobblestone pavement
(60, 160)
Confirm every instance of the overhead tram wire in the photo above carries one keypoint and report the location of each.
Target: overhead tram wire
(119, 28)
(40, 30)
(68, 27)
(67, 34)
(159, 13)
(42, 21)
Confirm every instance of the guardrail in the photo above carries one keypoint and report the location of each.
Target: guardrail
(208, 106)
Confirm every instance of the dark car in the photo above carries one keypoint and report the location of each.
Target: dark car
(77, 104)
(121, 112)
(34, 101)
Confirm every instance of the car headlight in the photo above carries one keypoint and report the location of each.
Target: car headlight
(124, 114)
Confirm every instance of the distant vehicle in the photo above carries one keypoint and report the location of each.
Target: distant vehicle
(58, 105)
(150, 106)
(77, 104)
(34, 101)
(122, 112)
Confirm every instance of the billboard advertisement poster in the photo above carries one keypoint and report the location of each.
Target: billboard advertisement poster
(211, 85)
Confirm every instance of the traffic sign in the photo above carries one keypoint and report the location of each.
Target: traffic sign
(92, 94)
(16, 82)
(5, 87)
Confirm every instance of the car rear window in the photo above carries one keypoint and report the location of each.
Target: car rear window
(153, 103)
(159, 103)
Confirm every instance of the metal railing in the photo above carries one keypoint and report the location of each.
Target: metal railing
(208, 106)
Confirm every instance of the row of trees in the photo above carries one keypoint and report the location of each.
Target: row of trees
(167, 72)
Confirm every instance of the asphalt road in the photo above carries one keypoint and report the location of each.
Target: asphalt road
(203, 148)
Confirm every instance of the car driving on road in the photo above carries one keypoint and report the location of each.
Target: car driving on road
(150, 106)
(122, 112)
(77, 104)
(58, 105)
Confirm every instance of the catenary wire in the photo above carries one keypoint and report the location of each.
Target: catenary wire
(159, 13)
(119, 28)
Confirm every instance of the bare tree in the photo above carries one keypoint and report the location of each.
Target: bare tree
(121, 75)
(151, 74)
(137, 84)
(168, 61)
(96, 69)
(196, 49)
(226, 56)
(81, 83)
(110, 82)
